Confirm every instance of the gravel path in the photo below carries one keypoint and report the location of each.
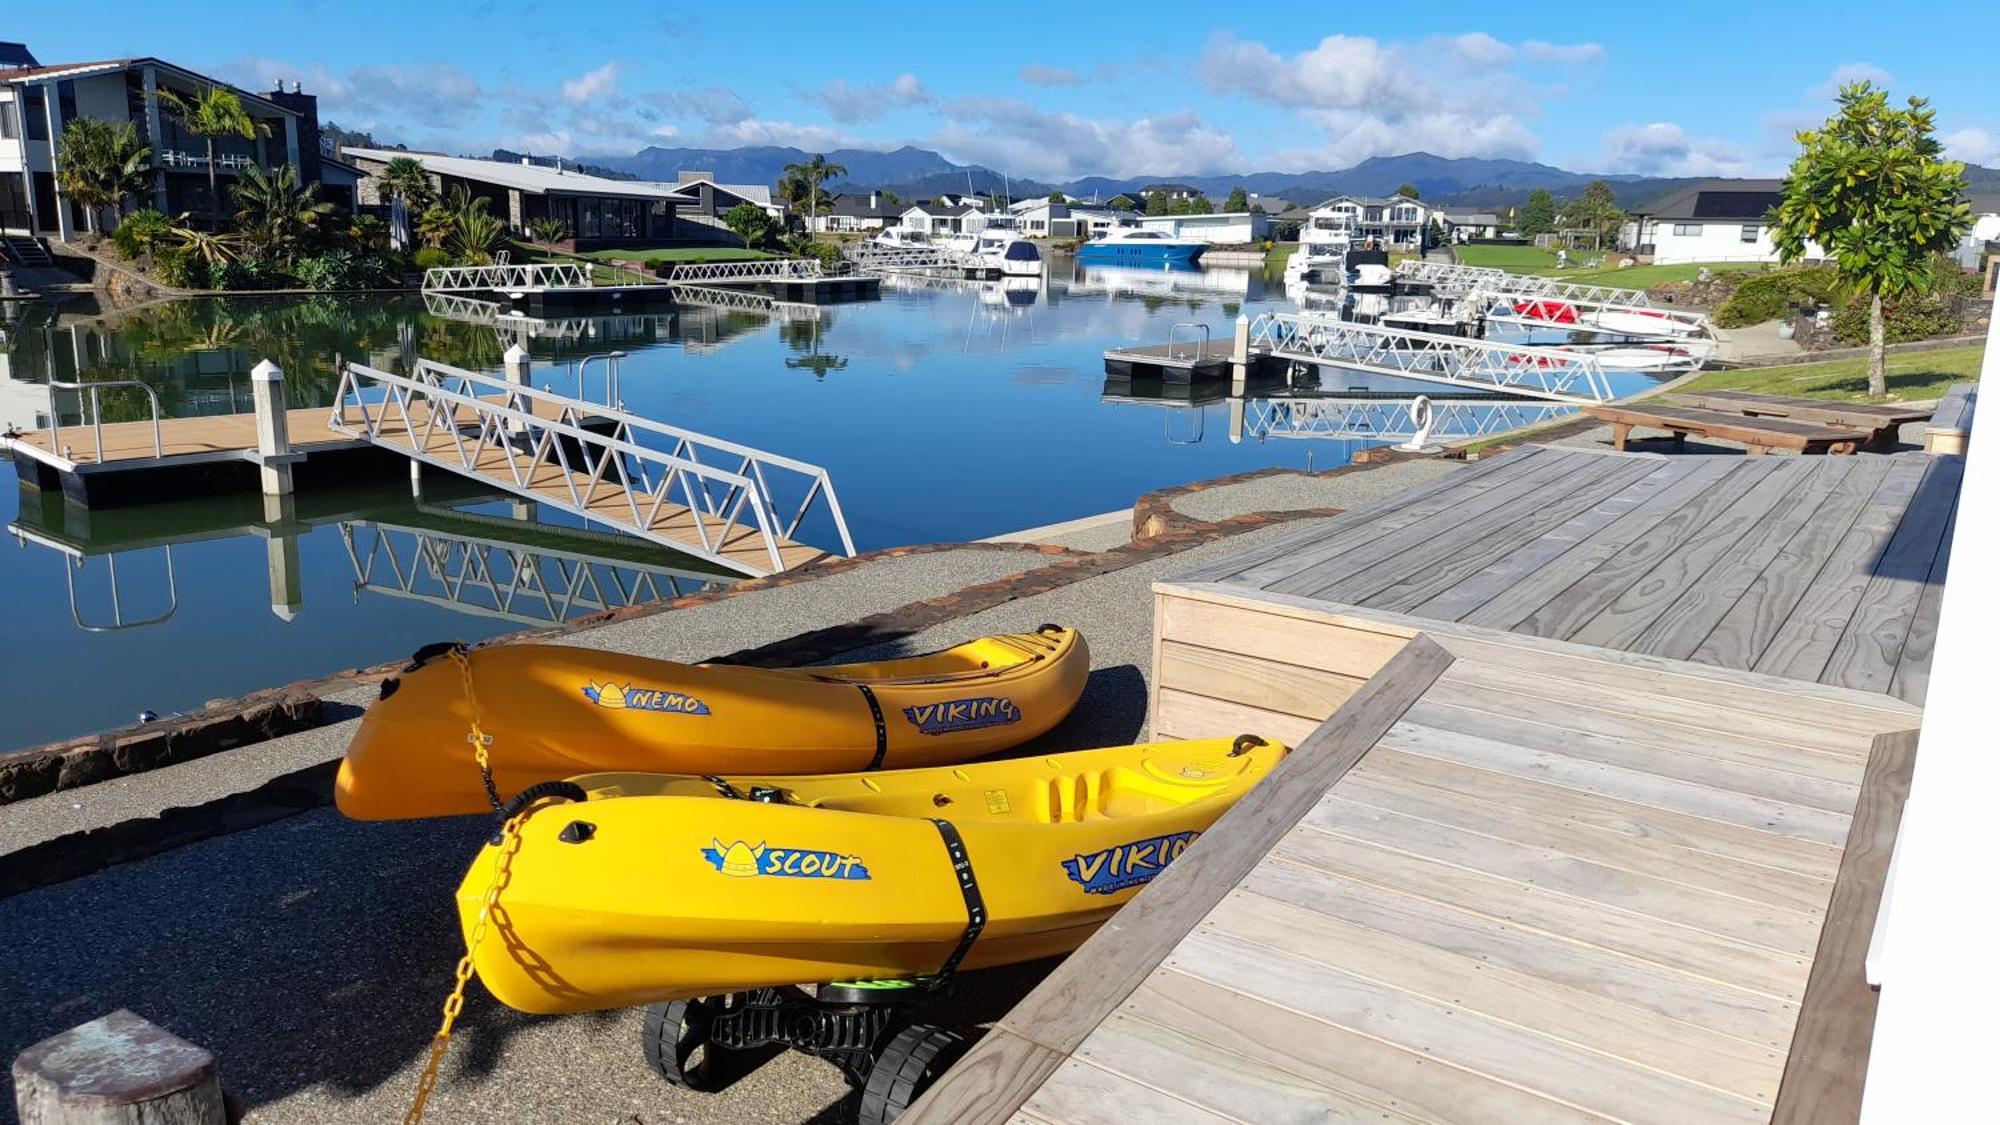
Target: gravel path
(1292, 492)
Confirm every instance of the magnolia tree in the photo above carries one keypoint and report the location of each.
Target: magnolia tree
(1871, 190)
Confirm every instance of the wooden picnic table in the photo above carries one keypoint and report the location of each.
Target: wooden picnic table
(1760, 435)
(1881, 420)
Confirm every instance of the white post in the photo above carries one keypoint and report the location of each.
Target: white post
(1239, 357)
(274, 442)
(281, 557)
(514, 366)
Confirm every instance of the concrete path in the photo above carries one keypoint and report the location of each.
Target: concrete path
(1295, 492)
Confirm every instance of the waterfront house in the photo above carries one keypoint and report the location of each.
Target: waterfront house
(1228, 228)
(37, 101)
(1132, 200)
(600, 213)
(859, 211)
(1172, 191)
(937, 217)
(715, 200)
(1713, 221)
(1271, 205)
(1463, 226)
(1396, 221)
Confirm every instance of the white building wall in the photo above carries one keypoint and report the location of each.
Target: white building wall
(1709, 241)
(1214, 229)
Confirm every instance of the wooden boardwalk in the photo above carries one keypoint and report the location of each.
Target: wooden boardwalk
(1464, 901)
(1600, 762)
(210, 437)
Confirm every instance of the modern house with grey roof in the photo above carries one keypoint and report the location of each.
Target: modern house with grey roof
(599, 212)
(1394, 222)
(1712, 221)
(858, 211)
(37, 102)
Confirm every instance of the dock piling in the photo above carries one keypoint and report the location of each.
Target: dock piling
(117, 1069)
(1239, 357)
(274, 441)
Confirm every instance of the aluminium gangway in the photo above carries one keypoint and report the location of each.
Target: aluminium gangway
(1453, 279)
(700, 495)
(747, 272)
(1559, 374)
(525, 277)
(1378, 419)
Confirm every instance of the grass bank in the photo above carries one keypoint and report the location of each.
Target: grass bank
(678, 254)
(1917, 375)
(1533, 260)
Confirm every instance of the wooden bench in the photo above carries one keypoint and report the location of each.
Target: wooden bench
(1951, 422)
(1881, 419)
(1760, 435)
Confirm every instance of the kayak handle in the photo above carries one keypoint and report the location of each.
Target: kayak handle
(567, 790)
(1244, 744)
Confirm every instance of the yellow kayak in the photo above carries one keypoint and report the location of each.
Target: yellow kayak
(661, 887)
(552, 711)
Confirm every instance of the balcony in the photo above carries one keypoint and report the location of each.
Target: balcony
(174, 160)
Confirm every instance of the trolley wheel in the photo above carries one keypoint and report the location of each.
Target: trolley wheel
(905, 1068)
(676, 1041)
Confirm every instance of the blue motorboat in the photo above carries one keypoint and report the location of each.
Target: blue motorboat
(1140, 248)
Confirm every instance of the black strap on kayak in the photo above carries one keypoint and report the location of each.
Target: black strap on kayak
(975, 904)
(722, 786)
(881, 728)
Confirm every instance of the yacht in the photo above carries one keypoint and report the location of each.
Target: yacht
(1322, 253)
(1008, 253)
(900, 237)
(1140, 248)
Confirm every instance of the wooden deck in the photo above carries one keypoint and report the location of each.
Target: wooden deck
(210, 437)
(1761, 435)
(1497, 885)
(1600, 759)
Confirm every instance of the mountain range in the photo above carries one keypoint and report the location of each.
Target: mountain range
(913, 172)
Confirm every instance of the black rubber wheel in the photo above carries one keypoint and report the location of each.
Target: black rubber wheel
(905, 1068)
(676, 1041)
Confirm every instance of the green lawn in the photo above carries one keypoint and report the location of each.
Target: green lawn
(678, 254)
(1533, 260)
(1918, 375)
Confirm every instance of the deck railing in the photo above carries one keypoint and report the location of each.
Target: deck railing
(506, 278)
(1453, 279)
(93, 391)
(1553, 373)
(763, 269)
(459, 420)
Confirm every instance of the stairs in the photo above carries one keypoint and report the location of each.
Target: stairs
(24, 251)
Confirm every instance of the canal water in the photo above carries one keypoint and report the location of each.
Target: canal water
(943, 412)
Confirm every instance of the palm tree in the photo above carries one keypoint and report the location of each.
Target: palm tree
(548, 231)
(474, 233)
(435, 224)
(275, 213)
(101, 163)
(810, 175)
(404, 176)
(215, 112)
(200, 245)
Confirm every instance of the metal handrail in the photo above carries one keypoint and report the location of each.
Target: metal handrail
(1462, 279)
(756, 269)
(117, 607)
(523, 275)
(1544, 372)
(1485, 297)
(1171, 340)
(97, 413)
(613, 396)
(1322, 416)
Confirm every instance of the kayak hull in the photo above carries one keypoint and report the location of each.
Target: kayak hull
(554, 711)
(674, 891)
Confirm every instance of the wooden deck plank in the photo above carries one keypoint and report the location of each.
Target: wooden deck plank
(1213, 1074)
(1575, 1016)
(1512, 498)
(1509, 607)
(1757, 433)
(1491, 814)
(1364, 647)
(1081, 1094)
(1620, 623)
(1803, 645)
(1549, 799)
(1686, 622)
(1868, 651)
(1913, 671)
(999, 1073)
(1475, 590)
(1828, 1058)
(1407, 1081)
(1257, 567)
(1746, 630)
(1305, 692)
(1738, 919)
(1491, 747)
(1589, 1080)
(1750, 968)
(1417, 578)
(1182, 714)
(1562, 615)
(1760, 1024)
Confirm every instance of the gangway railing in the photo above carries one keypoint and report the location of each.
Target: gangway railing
(495, 578)
(1546, 310)
(1453, 279)
(894, 258)
(742, 300)
(762, 269)
(536, 444)
(93, 392)
(1198, 343)
(75, 560)
(1319, 416)
(1543, 372)
(510, 278)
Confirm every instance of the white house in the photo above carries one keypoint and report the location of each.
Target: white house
(1223, 229)
(932, 217)
(1713, 221)
(1985, 229)
(857, 212)
(1397, 221)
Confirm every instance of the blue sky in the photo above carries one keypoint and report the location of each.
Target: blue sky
(1060, 90)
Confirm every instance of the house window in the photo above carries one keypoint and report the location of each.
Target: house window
(8, 130)
(1687, 230)
(1374, 215)
(1749, 232)
(35, 112)
(1406, 214)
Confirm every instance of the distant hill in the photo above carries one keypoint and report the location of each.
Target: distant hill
(766, 164)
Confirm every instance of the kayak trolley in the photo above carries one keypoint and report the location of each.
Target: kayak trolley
(860, 1026)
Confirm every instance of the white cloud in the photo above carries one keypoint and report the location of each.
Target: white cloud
(591, 85)
(850, 103)
(1481, 50)
(1973, 145)
(1663, 148)
(716, 105)
(1845, 73)
(1538, 51)
(1011, 134)
(758, 131)
(1042, 74)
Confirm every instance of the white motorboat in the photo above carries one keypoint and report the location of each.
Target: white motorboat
(1640, 322)
(1322, 253)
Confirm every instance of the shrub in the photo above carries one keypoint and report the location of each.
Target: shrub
(338, 269)
(142, 231)
(175, 268)
(1766, 296)
(430, 257)
(1923, 317)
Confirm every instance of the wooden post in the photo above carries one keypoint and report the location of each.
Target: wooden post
(1239, 357)
(274, 442)
(117, 1070)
